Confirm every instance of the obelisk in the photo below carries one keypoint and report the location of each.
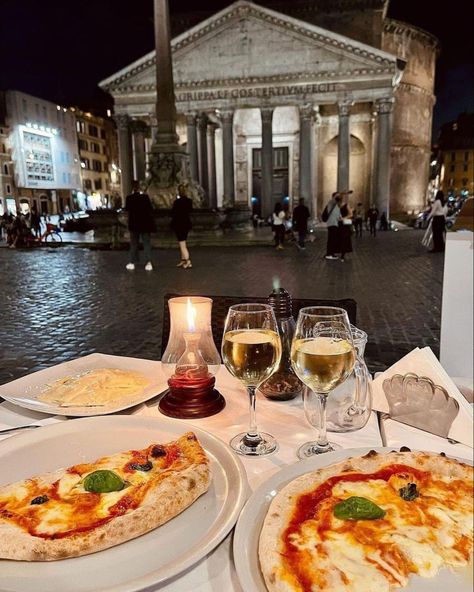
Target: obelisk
(168, 161)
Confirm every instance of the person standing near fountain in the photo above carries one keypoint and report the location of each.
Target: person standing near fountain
(141, 223)
(181, 224)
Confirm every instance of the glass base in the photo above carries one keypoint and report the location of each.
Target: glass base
(313, 448)
(259, 446)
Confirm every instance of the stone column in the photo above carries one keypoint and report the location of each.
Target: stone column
(382, 150)
(192, 146)
(306, 155)
(125, 153)
(343, 146)
(139, 133)
(202, 150)
(211, 163)
(227, 119)
(267, 161)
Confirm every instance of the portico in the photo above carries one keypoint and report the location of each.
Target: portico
(269, 107)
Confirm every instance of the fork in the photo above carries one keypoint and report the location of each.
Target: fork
(25, 427)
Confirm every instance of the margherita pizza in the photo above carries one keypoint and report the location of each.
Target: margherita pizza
(368, 523)
(93, 506)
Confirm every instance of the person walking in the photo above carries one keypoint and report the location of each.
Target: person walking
(278, 223)
(35, 221)
(358, 219)
(181, 224)
(345, 227)
(300, 223)
(332, 215)
(372, 217)
(438, 224)
(141, 223)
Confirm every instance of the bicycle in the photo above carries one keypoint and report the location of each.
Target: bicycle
(51, 234)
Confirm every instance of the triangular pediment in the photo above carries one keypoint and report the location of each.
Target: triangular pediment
(249, 42)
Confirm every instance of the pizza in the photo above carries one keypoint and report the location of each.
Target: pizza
(92, 506)
(368, 523)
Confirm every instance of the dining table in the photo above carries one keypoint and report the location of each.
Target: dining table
(283, 419)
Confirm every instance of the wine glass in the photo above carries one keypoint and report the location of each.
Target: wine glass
(251, 350)
(322, 355)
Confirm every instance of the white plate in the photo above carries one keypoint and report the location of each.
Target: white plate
(247, 531)
(24, 391)
(143, 562)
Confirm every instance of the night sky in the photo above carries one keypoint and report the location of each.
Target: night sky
(60, 49)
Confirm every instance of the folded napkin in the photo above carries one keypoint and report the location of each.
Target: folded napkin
(12, 416)
(397, 434)
(434, 405)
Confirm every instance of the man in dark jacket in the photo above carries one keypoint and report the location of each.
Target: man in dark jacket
(300, 223)
(141, 222)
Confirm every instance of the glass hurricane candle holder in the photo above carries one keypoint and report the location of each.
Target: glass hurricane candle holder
(191, 360)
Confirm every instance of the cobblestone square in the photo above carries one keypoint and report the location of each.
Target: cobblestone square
(59, 304)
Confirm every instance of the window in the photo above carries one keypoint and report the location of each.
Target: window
(103, 135)
(4, 149)
(69, 178)
(83, 144)
(453, 155)
(64, 178)
(452, 168)
(67, 157)
(9, 189)
(95, 147)
(93, 131)
(97, 166)
(465, 167)
(87, 184)
(37, 109)
(5, 169)
(87, 164)
(466, 156)
(45, 114)
(98, 184)
(25, 106)
(80, 126)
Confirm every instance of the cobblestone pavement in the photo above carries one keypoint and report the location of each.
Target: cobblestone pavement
(59, 304)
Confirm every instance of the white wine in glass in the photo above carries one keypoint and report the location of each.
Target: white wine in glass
(322, 355)
(251, 351)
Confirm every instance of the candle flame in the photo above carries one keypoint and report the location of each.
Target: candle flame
(191, 316)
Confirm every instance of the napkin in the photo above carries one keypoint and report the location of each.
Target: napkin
(12, 416)
(423, 363)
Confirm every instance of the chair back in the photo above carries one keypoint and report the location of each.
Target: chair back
(221, 304)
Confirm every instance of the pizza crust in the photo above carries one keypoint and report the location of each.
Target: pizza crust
(281, 509)
(163, 501)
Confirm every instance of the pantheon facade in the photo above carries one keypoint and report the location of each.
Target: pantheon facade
(298, 99)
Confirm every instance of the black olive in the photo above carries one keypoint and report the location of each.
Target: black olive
(144, 467)
(41, 499)
(158, 451)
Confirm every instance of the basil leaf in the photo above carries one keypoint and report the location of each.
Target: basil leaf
(358, 508)
(103, 481)
(409, 492)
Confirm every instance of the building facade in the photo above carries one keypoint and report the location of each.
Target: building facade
(42, 142)
(293, 102)
(98, 151)
(456, 153)
(7, 186)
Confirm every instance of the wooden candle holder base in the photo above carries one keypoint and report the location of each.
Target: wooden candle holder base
(191, 399)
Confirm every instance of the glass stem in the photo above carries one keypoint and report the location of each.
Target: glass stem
(322, 437)
(252, 431)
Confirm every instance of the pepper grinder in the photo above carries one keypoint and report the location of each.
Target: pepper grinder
(283, 384)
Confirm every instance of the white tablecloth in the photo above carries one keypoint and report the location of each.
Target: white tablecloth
(285, 420)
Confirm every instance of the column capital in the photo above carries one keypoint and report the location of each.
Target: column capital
(384, 105)
(202, 121)
(306, 111)
(226, 115)
(191, 117)
(345, 107)
(138, 127)
(266, 114)
(122, 120)
(211, 128)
